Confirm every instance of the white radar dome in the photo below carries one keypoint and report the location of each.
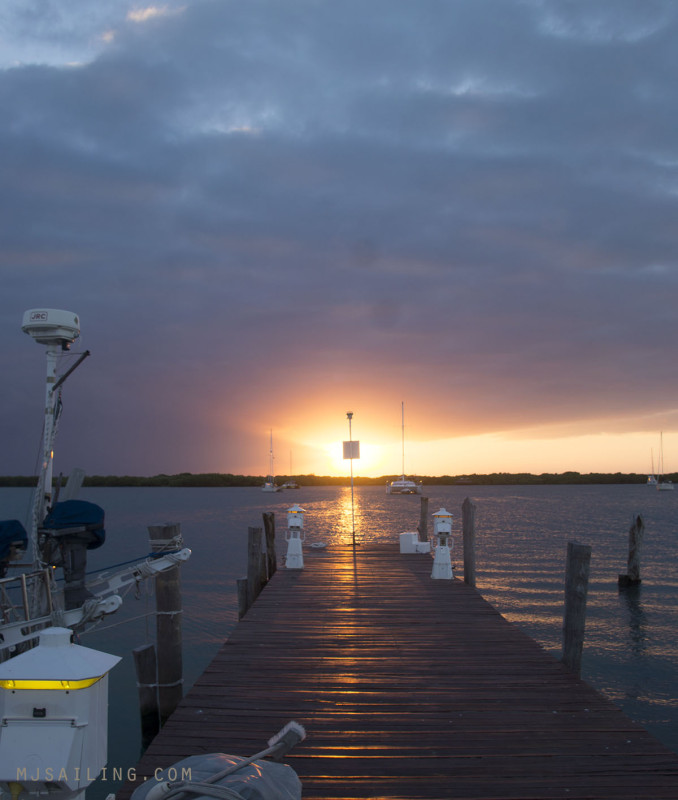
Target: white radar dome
(51, 326)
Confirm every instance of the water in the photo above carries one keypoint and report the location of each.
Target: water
(631, 647)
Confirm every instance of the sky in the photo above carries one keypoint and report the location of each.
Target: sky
(268, 214)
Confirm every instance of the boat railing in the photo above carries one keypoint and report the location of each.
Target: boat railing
(26, 596)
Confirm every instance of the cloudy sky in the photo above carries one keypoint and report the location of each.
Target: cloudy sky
(267, 214)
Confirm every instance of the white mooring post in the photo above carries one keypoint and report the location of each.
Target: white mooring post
(442, 529)
(295, 524)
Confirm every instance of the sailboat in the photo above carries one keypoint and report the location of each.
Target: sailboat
(270, 485)
(403, 485)
(61, 528)
(652, 478)
(291, 483)
(662, 485)
(53, 692)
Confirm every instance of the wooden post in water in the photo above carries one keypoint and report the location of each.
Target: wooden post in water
(147, 682)
(260, 565)
(168, 622)
(636, 533)
(423, 520)
(254, 554)
(468, 517)
(574, 620)
(243, 608)
(269, 532)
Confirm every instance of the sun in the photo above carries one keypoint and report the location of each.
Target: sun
(370, 464)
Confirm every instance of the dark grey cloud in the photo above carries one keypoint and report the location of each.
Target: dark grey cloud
(365, 195)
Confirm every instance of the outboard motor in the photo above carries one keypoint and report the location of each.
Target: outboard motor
(69, 530)
(13, 543)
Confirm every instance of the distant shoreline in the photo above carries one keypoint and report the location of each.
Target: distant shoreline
(213, 479)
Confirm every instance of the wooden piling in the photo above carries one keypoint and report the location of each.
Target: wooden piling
(241, 583)
(168, 622)
(260, 565)
(145, 664)
(468, 516)
(423, 520)
(574, 619)
(636, 534)
(269, 532)
(254, 553)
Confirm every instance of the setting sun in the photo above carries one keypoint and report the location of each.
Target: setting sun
(370, 461)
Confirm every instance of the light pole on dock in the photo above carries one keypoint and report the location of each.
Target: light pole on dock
(351, 451)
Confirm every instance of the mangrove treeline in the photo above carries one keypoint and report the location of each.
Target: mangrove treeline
(220, 479)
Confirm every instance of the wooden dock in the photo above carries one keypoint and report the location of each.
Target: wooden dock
(408, 688)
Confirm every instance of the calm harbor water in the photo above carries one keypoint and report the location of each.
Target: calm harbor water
(631, 647)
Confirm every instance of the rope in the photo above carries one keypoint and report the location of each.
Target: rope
(160, 685)
(58, 618)
(175, 541)
(118, 624)
(145, 570)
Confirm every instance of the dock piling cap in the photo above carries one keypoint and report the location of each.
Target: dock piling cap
(56, 663)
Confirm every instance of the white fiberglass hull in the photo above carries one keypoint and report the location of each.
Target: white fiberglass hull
(403, 487)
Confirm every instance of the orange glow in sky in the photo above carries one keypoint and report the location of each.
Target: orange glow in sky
(482, 454)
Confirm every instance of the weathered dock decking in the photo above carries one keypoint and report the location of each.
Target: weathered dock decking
(408, 688)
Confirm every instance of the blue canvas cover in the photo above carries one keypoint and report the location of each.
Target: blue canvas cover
(76, 514)
(12, 532)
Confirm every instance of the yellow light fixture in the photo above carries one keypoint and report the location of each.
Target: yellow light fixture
(49, 684)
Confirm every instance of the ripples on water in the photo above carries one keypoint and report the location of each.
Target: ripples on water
(631, 647)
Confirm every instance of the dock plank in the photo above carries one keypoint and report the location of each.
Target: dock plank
(408, 688)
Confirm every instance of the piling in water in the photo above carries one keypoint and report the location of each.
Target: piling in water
(423, 520)
(636, 534)
(468, 517)
(576, 589)
(147, 683)
(261, 564)
(168, 622)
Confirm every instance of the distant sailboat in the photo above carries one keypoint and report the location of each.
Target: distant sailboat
(270, 484)
(652, 478)
(291, 483)
(402, 485)
(663, 485)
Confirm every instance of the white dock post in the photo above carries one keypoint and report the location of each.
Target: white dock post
(295, 524)
(442, 562)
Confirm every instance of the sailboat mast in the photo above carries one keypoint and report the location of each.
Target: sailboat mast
(402, 408)
(661, 453)
(270, 455)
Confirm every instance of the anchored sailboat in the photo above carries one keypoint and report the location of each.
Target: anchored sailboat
(662, 484)
(270, 485)
(652, 477)
(403, 485)
(290, 483)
